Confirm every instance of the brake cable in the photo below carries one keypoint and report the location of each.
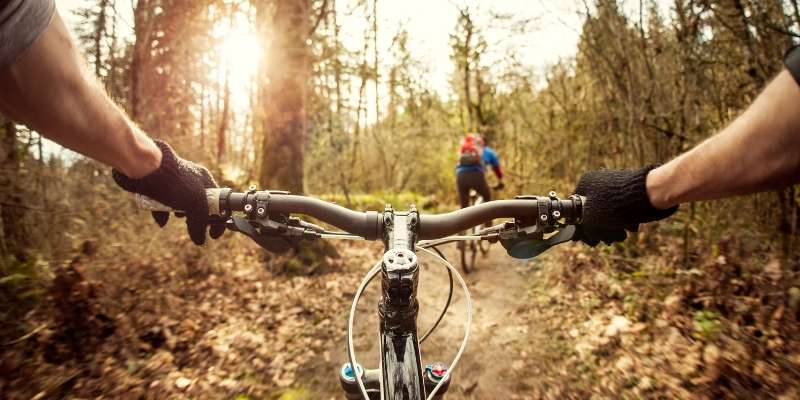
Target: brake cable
(423, 243)
(468, 302)
(351, 319)
(449, 239)
(351, 351)
(340, 235)
(446, 305)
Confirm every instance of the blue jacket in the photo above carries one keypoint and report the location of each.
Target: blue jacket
(489, 158)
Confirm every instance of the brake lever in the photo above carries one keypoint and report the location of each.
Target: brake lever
(528, 241)
(493, 232)
(275, 236)
(307, 226)
(272, 243)
(525, 248)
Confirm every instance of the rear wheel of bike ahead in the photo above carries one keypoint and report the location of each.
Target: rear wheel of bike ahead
(469, 252)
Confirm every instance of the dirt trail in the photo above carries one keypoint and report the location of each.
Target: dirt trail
(500, 339)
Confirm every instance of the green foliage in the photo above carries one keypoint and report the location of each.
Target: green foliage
(20, 290)
(632, 305)
(591, 303)
(294, 394)
(707, 324)
(378, 200)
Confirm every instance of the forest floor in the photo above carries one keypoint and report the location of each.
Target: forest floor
(570, 324)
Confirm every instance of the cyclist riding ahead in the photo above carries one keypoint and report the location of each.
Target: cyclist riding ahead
(474, 155)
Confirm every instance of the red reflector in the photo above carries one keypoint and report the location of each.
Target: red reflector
(438, 370)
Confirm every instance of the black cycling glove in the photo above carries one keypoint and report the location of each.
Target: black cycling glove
(179, 184)
(616, 201)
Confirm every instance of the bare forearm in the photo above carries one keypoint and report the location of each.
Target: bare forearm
(49, 90)
(759, 151)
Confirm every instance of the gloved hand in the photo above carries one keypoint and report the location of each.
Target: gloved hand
(616, 201)
(178, 184)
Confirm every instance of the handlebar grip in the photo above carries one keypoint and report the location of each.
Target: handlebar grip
(212, 197)
(436, 226)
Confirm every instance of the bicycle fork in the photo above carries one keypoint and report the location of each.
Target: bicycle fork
(400, 374)
(371, 377)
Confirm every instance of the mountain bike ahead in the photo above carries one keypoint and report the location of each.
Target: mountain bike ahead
(539, 222)
(472, 248)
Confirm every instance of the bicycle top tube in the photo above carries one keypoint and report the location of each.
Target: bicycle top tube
(370, 224)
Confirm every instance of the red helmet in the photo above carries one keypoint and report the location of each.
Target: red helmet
(475, 138)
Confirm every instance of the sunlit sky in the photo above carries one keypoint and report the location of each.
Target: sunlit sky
(551, 36)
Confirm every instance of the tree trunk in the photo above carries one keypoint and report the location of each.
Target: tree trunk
(223, 125)
(467, 92)
(99, 32)
(203, 119)
(142, 29)
(114, 87)
(12, 217)
(375, 60)
(284, 100)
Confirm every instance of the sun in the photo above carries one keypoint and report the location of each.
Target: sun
(239, 53)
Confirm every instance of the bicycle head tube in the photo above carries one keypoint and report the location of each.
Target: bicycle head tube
(401, 362)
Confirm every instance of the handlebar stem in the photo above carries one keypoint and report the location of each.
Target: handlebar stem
(398, 308)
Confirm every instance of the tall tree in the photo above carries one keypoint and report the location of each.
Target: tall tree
(282, 89)
(470, 80)
(222, 130)
(13, 231)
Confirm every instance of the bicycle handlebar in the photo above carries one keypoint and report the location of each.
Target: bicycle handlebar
(365, 224)
(433, 226)
(369, 225)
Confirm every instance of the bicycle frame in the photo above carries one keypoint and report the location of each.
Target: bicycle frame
(401, 361)
(400, 374)
(475, 199)
(470, 249)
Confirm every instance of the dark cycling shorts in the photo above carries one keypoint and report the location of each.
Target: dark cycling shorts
(472, 180)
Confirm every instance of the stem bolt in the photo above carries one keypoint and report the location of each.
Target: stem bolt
(261, 211)
(543, 217)
(248, 207)
(556, 214)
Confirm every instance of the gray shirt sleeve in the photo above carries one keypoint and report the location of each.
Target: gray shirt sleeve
(21, 23)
